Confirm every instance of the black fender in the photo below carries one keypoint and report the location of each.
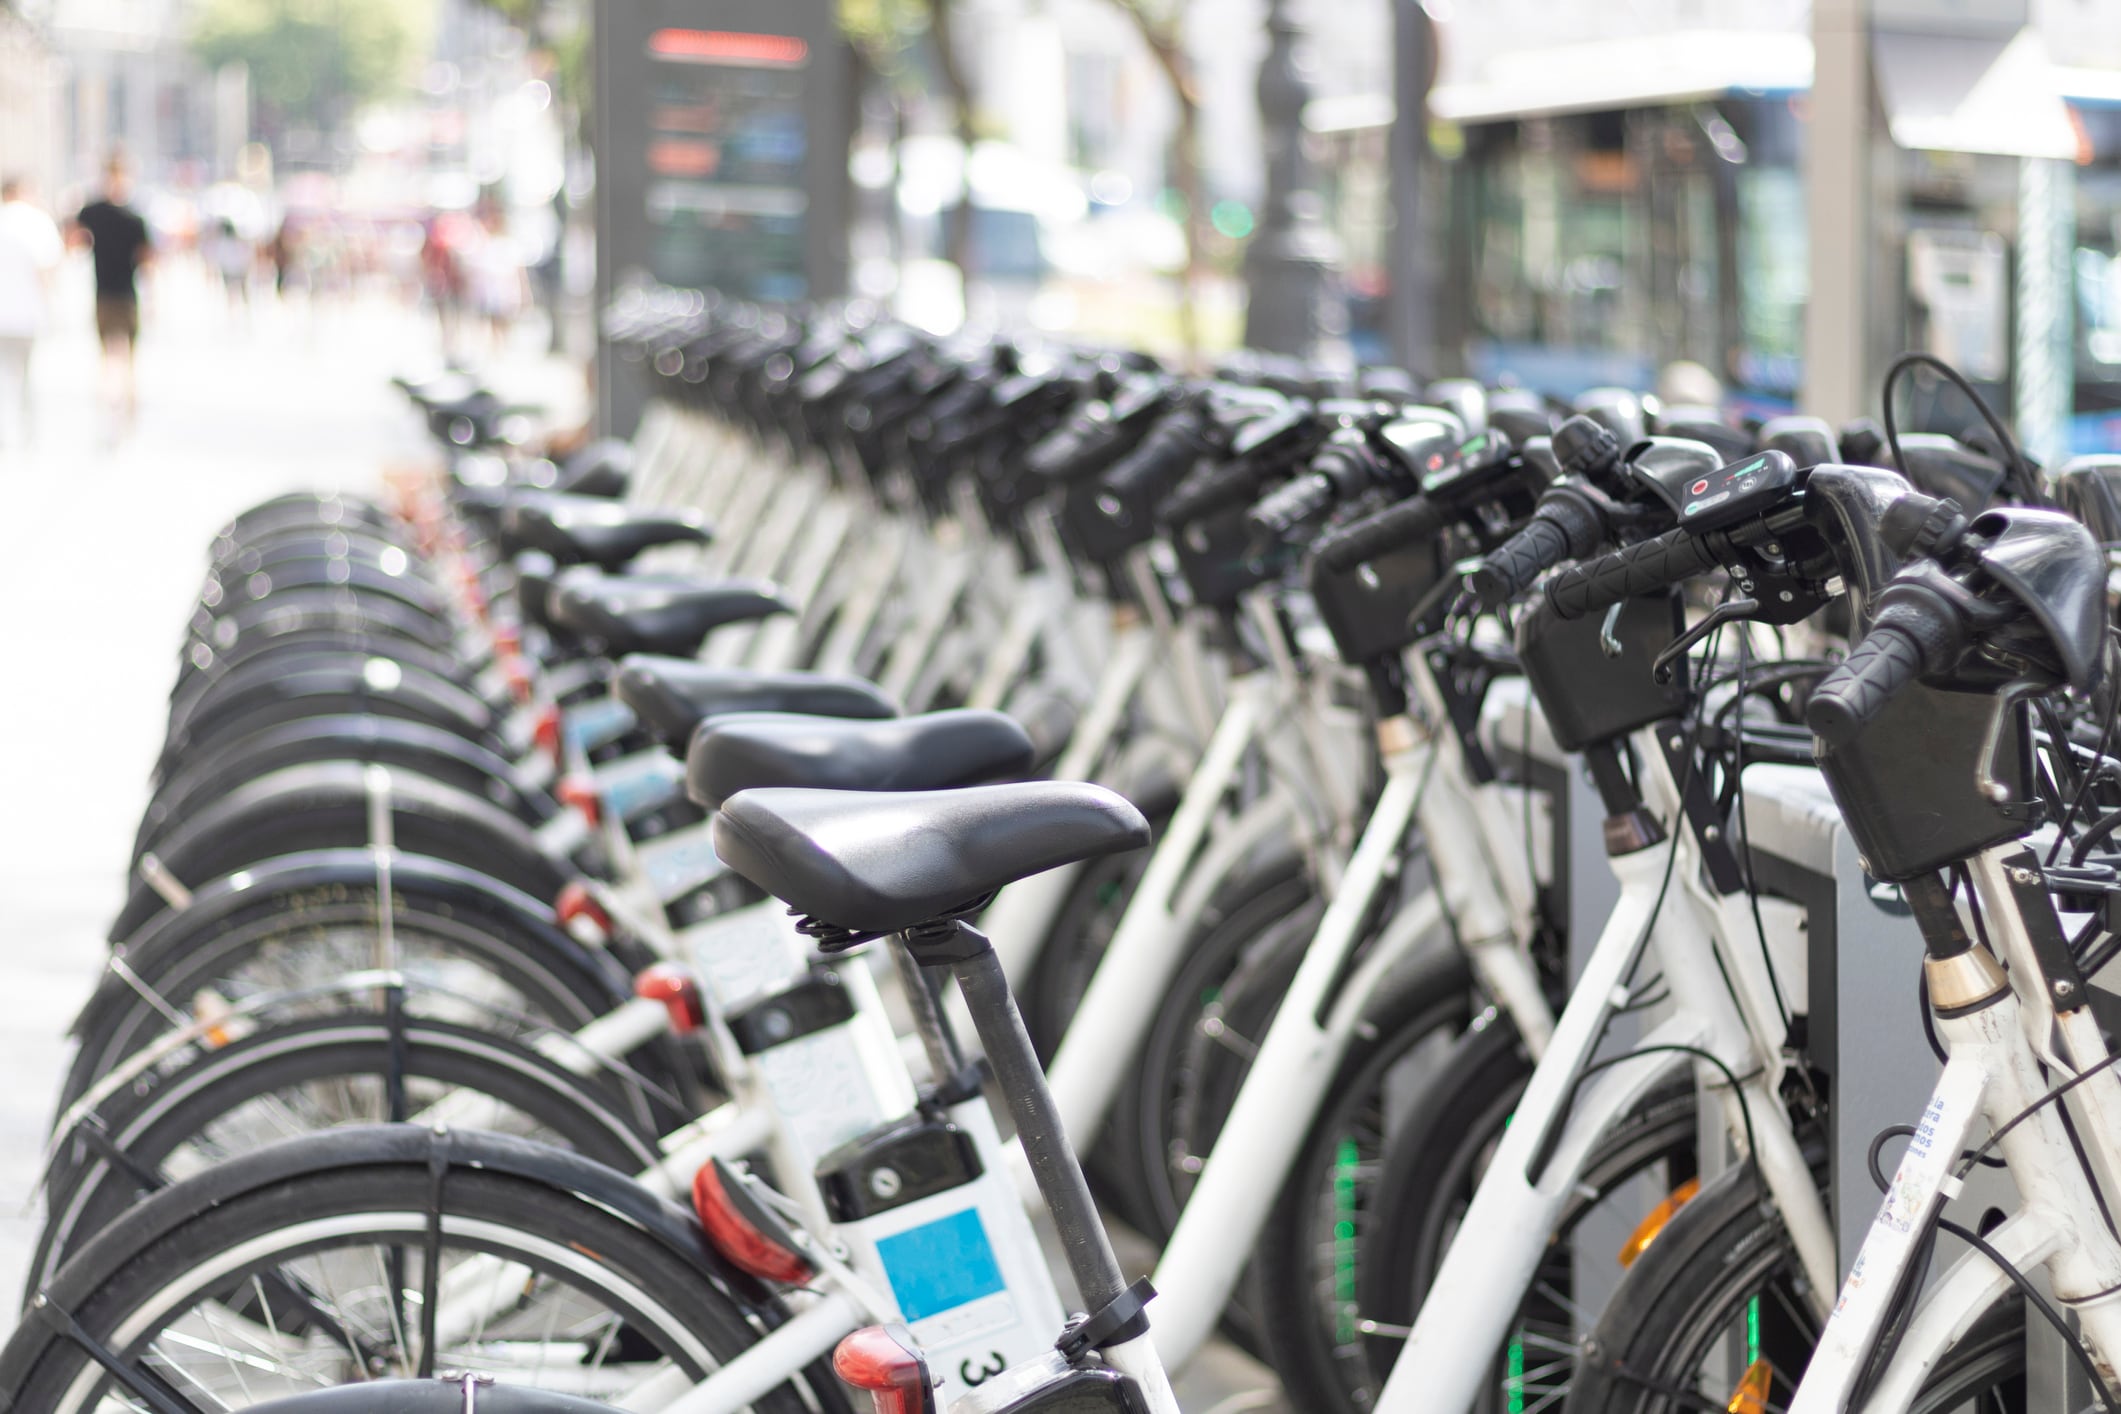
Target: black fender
(395, 742)
(302, 608)
(229, 587)
(266, 691)
(326, 804)
(308, 508)
(205, 664)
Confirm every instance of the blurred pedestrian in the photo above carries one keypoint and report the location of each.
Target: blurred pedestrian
(442, 274)
(231, 257)
(282, 251)
(118, 239)
(30, 250)
(499, 285)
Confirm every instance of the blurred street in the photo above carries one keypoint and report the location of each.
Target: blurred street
(107, 542)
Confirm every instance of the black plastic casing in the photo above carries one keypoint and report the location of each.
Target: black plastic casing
(927, 1154)
(1369, 609)
(1218, 555)
(1588, 697)
(1084, 1391)
(1908, 783)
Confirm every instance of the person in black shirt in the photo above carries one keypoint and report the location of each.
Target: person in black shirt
(119, 242)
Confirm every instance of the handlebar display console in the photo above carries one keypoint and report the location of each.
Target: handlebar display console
(1730, 494)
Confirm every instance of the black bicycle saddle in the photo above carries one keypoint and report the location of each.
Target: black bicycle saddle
(658, 613)
(933, 751)
(871, 864)
(672, 696)
(593, 530)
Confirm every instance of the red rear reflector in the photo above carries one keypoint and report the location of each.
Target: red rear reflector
(582, 795)
(736, 1237)
(546, 731)
(576, 902)
(676, 990)
(884, 1361)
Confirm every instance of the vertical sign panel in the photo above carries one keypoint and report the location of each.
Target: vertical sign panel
(721, 140)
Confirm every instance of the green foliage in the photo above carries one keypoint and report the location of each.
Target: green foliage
(887, 32)
(313, 61)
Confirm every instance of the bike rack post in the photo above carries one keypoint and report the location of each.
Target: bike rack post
(1579, 829)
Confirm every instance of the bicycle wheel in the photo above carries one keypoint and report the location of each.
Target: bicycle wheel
(1156, 1147)
(465, 962)
(1720, 1288)
(390, 1252)
(1430, 1173)
(204, 1108)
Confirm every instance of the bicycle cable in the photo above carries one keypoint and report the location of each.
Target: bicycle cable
(2070, 1339)
(2015, 467)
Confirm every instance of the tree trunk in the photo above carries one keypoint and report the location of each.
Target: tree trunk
(958, 237)
(1183, 158)
(1186, 176)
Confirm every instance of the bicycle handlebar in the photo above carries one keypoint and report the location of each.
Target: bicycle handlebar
(1566, 525)
(1917, 630)
(1654, 564)
(1294, 503)
(1227, 485)
(1855, 692)
(1398, 524)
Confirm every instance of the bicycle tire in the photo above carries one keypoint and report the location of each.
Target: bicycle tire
(298, 1071)
(1431, 1172)
(1699, 1283)
(1274, 909)
(232, 1238)
(255, 944)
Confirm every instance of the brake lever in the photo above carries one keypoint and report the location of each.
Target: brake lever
(1729, 611)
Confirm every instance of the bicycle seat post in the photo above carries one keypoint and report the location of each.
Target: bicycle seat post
(1054, 1167)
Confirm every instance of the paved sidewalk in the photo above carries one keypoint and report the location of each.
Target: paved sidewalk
(103, 547)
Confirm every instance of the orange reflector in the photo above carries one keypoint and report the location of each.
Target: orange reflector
(1753, 1390)
(1646, 1231)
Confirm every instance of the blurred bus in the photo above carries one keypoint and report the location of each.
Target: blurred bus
(1591, 238)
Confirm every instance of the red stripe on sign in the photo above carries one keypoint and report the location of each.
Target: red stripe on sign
(720, 46)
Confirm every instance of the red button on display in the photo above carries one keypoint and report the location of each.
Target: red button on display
(1697, 488)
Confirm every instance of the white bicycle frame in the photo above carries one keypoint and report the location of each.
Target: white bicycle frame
(1483, 888)
(1696, 938)
(1994, 1075)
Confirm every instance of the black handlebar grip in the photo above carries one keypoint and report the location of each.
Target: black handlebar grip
(1203, 495)
(1293, 504)
(1853, 694)
(1606, 581)
(1399, 524)
(1516, 562)
(1566, 525)
(1158, 464)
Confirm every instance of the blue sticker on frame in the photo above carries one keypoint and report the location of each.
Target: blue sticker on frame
(939, 1266)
